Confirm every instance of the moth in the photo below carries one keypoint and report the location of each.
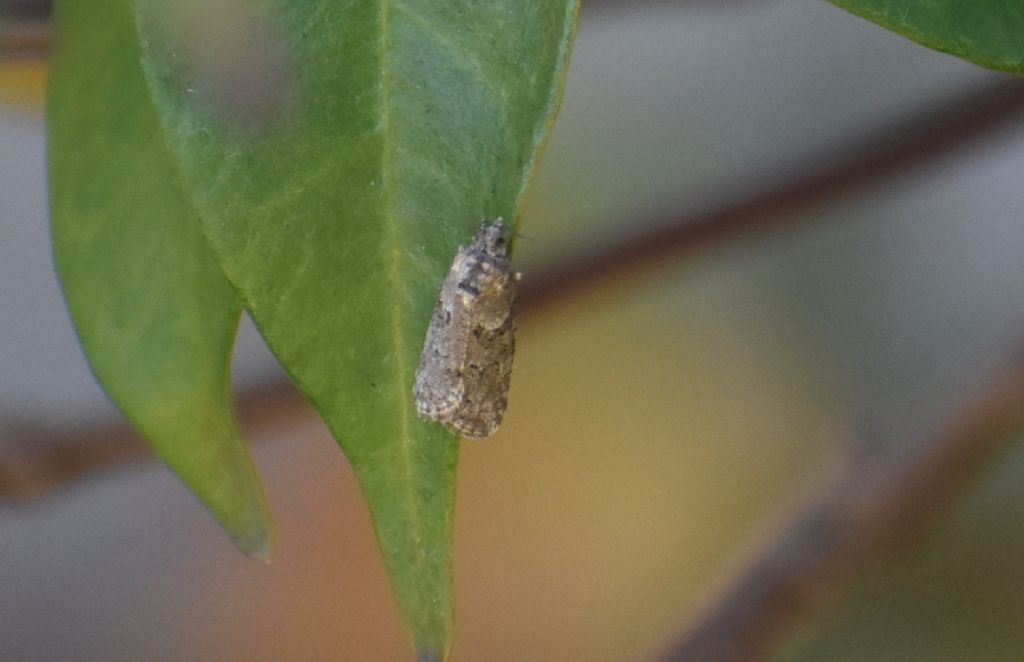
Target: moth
(464, 372)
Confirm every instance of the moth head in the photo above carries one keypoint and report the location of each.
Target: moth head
(491, 238)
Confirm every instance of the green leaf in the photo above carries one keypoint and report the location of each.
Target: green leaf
(339, 153)
(154, 312)
(986, 32)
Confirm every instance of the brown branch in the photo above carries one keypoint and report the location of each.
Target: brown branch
(24, 28)
(36, 460)
(24, 42)
(883, 501)
(906, 146)
(36, 10)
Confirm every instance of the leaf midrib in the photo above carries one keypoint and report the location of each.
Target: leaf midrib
(395, 271)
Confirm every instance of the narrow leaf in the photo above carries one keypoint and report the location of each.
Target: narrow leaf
(339, 153)
(986, 32)
(154, 312)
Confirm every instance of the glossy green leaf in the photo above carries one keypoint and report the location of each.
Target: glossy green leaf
(339, 153)
(986, 32)
(154, 312)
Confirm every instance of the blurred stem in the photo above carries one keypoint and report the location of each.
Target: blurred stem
(25, 28)
(906, 146)
(36, 10)
(36, 459)
(881, 502)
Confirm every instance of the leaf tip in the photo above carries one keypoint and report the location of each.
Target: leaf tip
(260, 551)
(257, 541)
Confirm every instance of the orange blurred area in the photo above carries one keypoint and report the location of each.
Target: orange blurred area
(23, 84)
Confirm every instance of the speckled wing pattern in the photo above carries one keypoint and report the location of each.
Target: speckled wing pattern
(463, 377)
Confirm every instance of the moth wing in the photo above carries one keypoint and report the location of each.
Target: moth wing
(486, 374)
(439, 387)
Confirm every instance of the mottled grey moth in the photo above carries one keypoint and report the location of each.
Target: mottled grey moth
(463, 376)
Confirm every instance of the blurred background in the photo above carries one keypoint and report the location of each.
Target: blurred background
(662, 423)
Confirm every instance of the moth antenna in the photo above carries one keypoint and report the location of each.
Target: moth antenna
(426, 217)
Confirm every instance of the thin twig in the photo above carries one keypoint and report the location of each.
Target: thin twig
(24, 41)
(904, 147)
(883, 501)
(38, 11)
(25, 28)
(35, 459)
